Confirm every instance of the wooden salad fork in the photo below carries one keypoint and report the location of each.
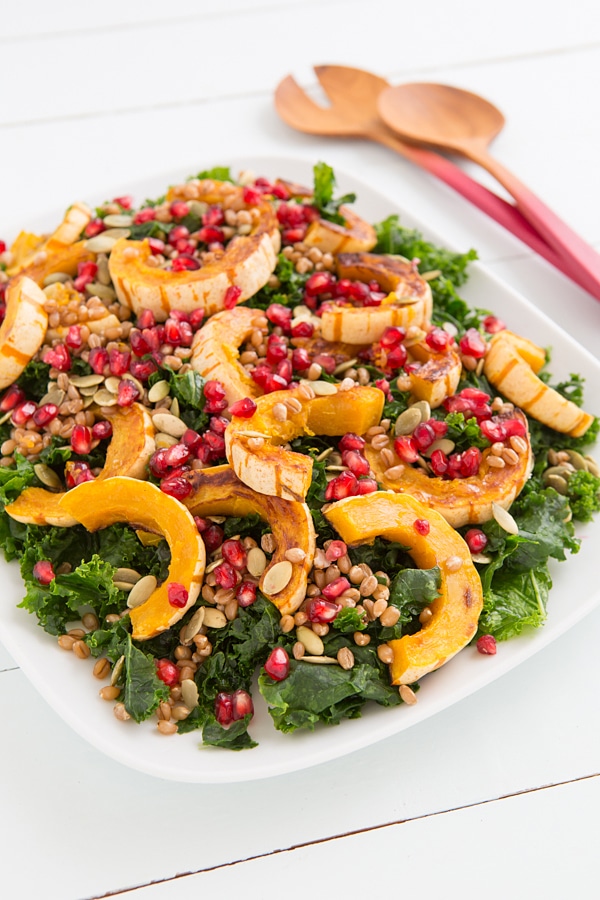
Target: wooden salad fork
(354, 96)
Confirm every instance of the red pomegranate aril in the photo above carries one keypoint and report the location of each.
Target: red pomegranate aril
(213, 537)
(487, 645)
(406, 449)
(493, 324)
(246, 594)
(242, 705)
(327, 362)
(335, 588)
(142, 369)
(321, 610)
(201, 524)
(515, 428)
(319, 283)
(260, 373)
(291, 214)
(374, 298)
(356, 462)
(285, 370)
(81, 439)
(180, 232)
(383, 385)
(438, 340)
(128, 393)
(275, 383)
(476, 540)
(153, 337)
(300, 359)
(172, 332)
(179, 209)
(176, 455)
(342, 287)
(126, 201)
(345, 485)
(204, 453)
(23, 412)
(214, 215)
(470, 462)
(191, 439)
(210, 234)
(422, 526)
(234, 553)
(196, 319)
(215, 442)
(184, 263)
(493, 430)
(243, 409)
(391, 337)
(232, 295)
(251, 196)
(139, 345)
(224, 709)
(102, 430)
(225, 576)
(397, 357)
(351, 441)
(276, 349)
(177, 594)
(454, 464)
(12, 398)
(118, 361)
(358, 291)
(147, 214)
(424, 436)
(474, 394)
(157, 248)
(472, 344)
(167, 671)
(94, 227)
(367, 486)
(43, 571)
(440, 429)
(335, 550)
(277, 664)
(279, 315)
(45, 414)
(76, 472)
(214, 391)
(98, 359)
(439, 463)
(176, 486)
(58, 357)
(73, 340)
(294, 235)
(303, 329)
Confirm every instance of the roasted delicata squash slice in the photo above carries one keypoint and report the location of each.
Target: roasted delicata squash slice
(215, 351)
(23, 330)
(511, 364)
(438, 375)
(461, 501)
(456, 610)
(96, 504)
(56, 257)
(246, 263)
(63, 294)
(409, 300)
(218, 492)
(253, 445)
(130, 448)
(28, 249)
(354, 236)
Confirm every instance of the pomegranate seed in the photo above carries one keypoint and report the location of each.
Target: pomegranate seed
(210, 234)
(439, 463)
(77, 472)
(487, 645)
(342, 287)
(277, 664)
(421, 526)
(102, 430)
(242, 705)
(191, 439)
(439, 428)
(201, 524)
(73, 339)
(345, 485)
(424, 436)
(157, 247)
(45, 414)
(94, 227)
(336, 587)
(128, 393)
(276, 349)
(11, 398)
(351, 441)
(246, 594)
(179, 233)
(216, 443)
(472, 344)
(234, 553)
(179, 209)
(213, 538)
(146, 319)
(367, 486)
(218, 424)
(275, 383)
(474, 394)
(147, 214)
(470, 462)
(280, 316)
(139, 344)
(397, 357)
(322, 610)
(142, 369)
(261, 373)
(294, 235)
(327, 362)
(493, 324)
(184, 263)
(300, 360)
(176, 486)
(224, 709)
(172, 332)
(81, 439)
(214, 395)
(319, 283)
(167, 672)
(58, 357)
(214, 215)
(515, 427)
(356, 462)
(176, 455)
(43, 571)
(225, 575)
(303, 330)
(251, 196)
(23, 412)
(391, 337)
(493, 430)
(196, 319)
(336, 550)
(476, 540)
(177, 594)
(290, 214)
(118, 361)
(98, 359)
(285, 370)
(439, 340)
(406, 449)
(126, 201)
(204, 453)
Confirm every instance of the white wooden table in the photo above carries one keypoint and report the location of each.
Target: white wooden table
(498, 795)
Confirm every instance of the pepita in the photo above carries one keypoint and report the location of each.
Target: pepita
(343, 367)
(504, 519)
(112, 384)
(53, 396)
(321, 660)
(141, 591)
(443, 444)
(577, 460)
(560, 484)
(408, 420)
(116, 233)
(105, 398)
(256, 561)
(123, 585)
(56, 278)
(592, 466)
(277, 578)
(214, 618)
(194, 625)
(125, 574)
(323, 388)
(48, 477)
(174, 410)
(100, 244)
(118, 220)
(159, 391)
(86, 381)
(117, 669)
(189, 693)
(312, 642)
(97, 289)
(163, 440)
(424, 408)
(169, 424)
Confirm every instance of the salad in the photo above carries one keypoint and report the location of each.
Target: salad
(244, 430)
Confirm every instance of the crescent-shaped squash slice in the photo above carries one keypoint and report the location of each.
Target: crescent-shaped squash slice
(247, 262)
(508, 366)
(456, 610)
(27, 246)
(461, 501)
(268, 468)
(215, 351)
(23, 330)
(130, 448)
(437, 377)
(57, 257)
(218, 492)
(409, 300)
(96, 504)
(355, 236)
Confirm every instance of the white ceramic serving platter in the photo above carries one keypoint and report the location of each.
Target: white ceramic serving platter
(67, 682)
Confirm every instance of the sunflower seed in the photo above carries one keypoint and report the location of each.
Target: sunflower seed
(312, 642)
(169, 424)
(504, 519)
(159, 391)
(277, 577)
(48, 477)
(189, 693)
(141, 591)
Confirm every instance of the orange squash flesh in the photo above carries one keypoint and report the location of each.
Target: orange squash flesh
(130, 448)
(269, 469)
(96, 504)
(461, 501)
(456, 610)
(23, 329)
(218, 492)
(437, 377)
(56, 257)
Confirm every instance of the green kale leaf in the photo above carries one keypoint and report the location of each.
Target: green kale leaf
(323, 191)
(143, 690)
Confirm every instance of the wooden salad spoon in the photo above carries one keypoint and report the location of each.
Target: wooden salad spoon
(458, 121)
